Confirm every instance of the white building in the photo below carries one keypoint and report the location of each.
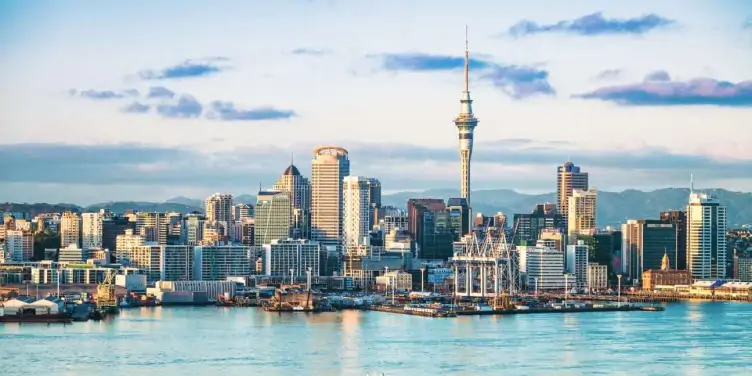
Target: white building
(72, 254)
(241, 212)
(545, 269)
(281, 256)
(397, 280)
(581, 215)
(706, 237)
(126, 242)
(91, 231)
(356, 212)
(14, 245)
(597, 277)
(577, 263)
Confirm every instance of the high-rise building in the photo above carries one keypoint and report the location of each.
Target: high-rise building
(91, 232)
(466, 123)
(14, 245)
(577, 263)
(568, 178)
(192, 229)
(70, 230)
(241, 212)
(281, 256)
(459, 211)
(529, 226)
(273, 220)
(544, 268)
(645, 242)
(356, 210)
(111, 228)
(581, 213)
(218, 208)
(216, 263)
(706, 237)
(329, 167)
(298, 188)
(679, 219)
(152, 226)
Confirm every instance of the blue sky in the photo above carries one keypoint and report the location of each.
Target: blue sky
(145, 100)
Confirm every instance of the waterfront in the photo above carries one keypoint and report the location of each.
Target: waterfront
(692, 338)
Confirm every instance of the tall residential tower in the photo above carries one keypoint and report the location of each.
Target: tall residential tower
(568, 178)
(466, 122)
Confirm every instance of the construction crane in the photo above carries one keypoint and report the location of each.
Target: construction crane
(106, 298)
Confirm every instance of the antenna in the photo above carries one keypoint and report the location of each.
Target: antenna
(292, 158)
(691, 183)
(467, 63)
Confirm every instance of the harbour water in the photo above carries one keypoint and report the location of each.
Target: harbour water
(693, 338)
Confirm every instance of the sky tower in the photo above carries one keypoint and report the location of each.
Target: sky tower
(466, 123)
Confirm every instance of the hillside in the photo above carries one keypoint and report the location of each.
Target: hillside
(613, 207)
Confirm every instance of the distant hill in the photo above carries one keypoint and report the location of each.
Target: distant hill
(613, 207)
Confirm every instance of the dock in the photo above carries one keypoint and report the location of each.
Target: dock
(424, 312)
(559, 310)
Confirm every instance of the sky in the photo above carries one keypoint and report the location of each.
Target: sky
(145, 100)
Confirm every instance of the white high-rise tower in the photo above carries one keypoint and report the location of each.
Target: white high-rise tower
(466, 122)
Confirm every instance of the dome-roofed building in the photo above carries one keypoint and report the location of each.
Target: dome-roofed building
(291, 170)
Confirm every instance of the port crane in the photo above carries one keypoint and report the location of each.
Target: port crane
(106, 298)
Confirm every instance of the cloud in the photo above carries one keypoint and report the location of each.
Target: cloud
(136, 108)
(97, 94)
(700, 91)
(160, 92)
(517, 81)
(185, 107)
(228, 112)
(658, 76)
(311, 51)
(187, 69)
(131, 92)
(592, 25)
(747, 24)
(609, 74)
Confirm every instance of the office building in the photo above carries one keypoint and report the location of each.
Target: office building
(111, 228)
(664, 276)
(272, 218)
(298, 188)
(241, 212)
(706, 237)
(679, 219)
(216, 263)
(152, 226)
(644, 242)
(597, 277)
(568, 178)
(297, 255)
(577, 263)
(545, 269)
(581, 213)
(91, 231)
(529, 226)
(329, 167)
(70, 230)
(124, 243)
(459, 211)
(218, 208)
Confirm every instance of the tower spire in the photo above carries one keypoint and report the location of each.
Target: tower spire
(467, 64)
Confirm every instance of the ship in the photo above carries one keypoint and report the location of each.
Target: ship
(293, 298)
(30, 316)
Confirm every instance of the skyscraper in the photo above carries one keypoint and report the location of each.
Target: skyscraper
(273, 218)
(70, 230)
(356, 212)
(581, 213)
(329, 167)
(706, 237)
(298, 189)
(218, 208)
(568, 179)
(466, 123)
(679, 219)
(91, 233)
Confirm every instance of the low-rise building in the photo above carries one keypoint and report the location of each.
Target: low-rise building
(665, 276)
(597, 277)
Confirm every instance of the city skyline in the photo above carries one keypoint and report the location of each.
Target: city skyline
(226, 103)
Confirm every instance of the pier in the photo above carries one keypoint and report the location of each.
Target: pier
(414, 311)
(558, 310)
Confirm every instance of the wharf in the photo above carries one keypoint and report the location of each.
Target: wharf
(434, 313)
(558, 310)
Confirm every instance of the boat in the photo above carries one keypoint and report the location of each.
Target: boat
(124, 303)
